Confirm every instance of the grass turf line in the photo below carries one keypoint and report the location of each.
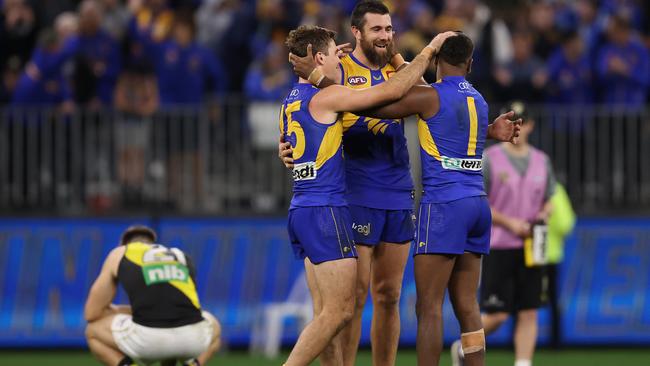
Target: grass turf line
(571, 357)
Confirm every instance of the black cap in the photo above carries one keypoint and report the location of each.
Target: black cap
(135, 231)
(519, 107)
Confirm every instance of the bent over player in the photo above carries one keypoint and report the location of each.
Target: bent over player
(164, 322)
(319, 219)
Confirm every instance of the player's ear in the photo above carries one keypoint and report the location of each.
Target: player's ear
(319, 57)
(356, 32)
(469, 66)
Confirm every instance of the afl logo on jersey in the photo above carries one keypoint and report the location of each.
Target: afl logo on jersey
(294, 93)
(464, 85)
(357, 80)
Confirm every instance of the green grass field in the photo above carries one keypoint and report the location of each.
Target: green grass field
(572, 357)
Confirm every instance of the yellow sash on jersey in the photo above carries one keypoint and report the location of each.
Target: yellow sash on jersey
(135, 252)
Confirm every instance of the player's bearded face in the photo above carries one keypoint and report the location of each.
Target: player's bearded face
(378, 50)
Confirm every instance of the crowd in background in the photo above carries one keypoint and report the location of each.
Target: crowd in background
(143, 55)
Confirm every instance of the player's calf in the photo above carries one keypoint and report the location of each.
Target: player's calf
(473, 346)
(335, 283)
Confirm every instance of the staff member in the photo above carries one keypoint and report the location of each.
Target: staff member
(519, 181)
(165, 322)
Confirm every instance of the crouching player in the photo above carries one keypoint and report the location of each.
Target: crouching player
(164, 322)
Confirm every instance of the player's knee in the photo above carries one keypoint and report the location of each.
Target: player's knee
(91, 331)
(347, 309)
(427, 310)
(386, 296)
(216, 329)
(340, 311)
(346, 315)
(338, 318)
(529, 315)
(361, 294)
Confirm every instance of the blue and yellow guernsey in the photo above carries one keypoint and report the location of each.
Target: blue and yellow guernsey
(377, 161)
(452, 141)
(318, 173)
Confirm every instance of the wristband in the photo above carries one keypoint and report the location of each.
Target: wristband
(315, 77)
(402, 66)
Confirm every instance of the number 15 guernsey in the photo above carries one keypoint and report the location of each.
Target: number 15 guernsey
(318, 173)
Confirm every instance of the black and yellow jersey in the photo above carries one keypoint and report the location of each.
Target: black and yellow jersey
(160, 284)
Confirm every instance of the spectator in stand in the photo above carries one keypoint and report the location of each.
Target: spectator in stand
(47, 11)
(136, 96)
(274, 18)
(404, 12)
(524, 76)
(629, 9)
(213, 19)
(199, 69)
(18, 31)
(269, 78)
(152, 22)
(10, 75)
(42, 82)
(66, 26)
(492, 42)
(541, 18)
(116, 18)
(623, 65)
(98, 61)
(285, 14)
(228, 27)
(569, 73)
(202, 75)
(411, 42)
(590, 25)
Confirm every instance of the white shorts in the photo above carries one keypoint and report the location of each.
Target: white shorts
(148, 345)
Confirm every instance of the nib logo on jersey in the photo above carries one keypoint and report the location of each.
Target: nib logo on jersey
(462, 164)
(159, 273)
(305, 171)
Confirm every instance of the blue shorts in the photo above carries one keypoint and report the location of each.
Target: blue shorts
(321, 233)
(371, 226)
(454, 227)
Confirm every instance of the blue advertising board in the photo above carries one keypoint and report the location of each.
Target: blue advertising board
(47, 267)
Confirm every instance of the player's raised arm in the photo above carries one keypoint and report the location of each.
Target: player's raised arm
(307, 68)
(341, 99)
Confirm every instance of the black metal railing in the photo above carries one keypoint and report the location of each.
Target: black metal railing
(224, 161)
